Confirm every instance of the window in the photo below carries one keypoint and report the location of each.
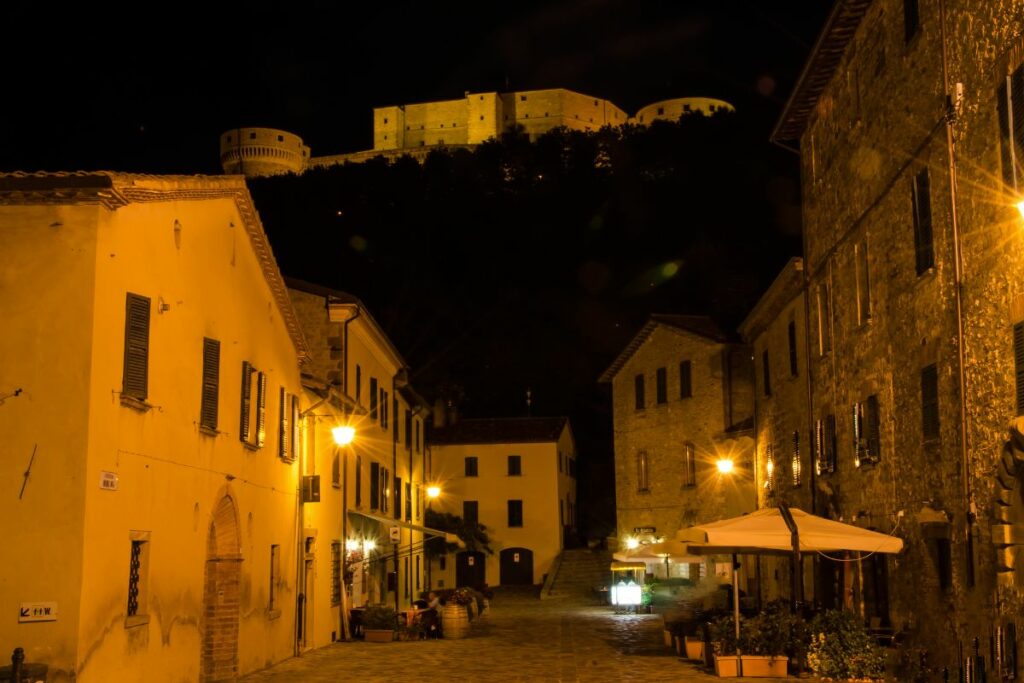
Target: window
(930, 402)
(1018, 362)
(638, 386)
(515, 513)
(398, 498)
(471, 466)
(689, 465)
(416, 424)
(359, 480)
(515, 466)
(408, 429)
(797, 465)
(872, 429)
(250, 410)
(275, 575)
(769, 468)
(394, 411)
(336, 470)
(136, 348)
(824, 301)
(825, 444)
(288, 425)
(211, 385)
(408, 501)
(1010, 106)
(766, 373)
(375, 478)
(373, 398)
(560, 467)
(138, 575)
(685, 379)
(860, 254)
(359, 384)
(922, 205)
(418, 572)
(383, 409)
(661, 385)
(385, 491)
(791, 331)
(335, 572)
(911, 19)
(642, 483)
(471, 511)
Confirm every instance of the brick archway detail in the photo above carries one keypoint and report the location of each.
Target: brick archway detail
(221, 594)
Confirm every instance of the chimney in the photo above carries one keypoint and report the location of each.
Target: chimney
(439, 414)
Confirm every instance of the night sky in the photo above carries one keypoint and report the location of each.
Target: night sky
(469, 304)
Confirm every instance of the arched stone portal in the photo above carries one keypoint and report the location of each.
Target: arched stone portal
(221, 595)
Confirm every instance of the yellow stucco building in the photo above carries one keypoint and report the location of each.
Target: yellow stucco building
(517, 477)
(152, 446)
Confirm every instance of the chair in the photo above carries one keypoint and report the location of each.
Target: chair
(430, 624)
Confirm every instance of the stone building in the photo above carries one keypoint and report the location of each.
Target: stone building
(682, 400)
(415, 129)
(515, 476)
(913, 272)
(151, 446)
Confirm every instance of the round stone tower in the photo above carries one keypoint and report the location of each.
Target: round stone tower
(671, 110)
(262, 151)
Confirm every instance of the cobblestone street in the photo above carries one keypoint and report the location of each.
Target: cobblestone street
(522, 639)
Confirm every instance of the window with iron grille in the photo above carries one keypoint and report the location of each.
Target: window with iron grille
(136, 578)
(1018, 364)
(1010, 109)
(515, 513)
(335, 572)
(872, 428)
(797, 465)
(211, 385)
(638, 388)
(922, 206)
(930, 402)
(860, 444)
(661, 385)
(689, 465)
(825, 444)
(642, 483)
(136, 347)
(685, 379)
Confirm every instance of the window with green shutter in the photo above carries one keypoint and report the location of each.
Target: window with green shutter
(136, 347)
(211, 384)
(261, 409)
(284, 450)
(246, 407)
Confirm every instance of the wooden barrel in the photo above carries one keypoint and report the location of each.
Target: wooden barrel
(455, 621)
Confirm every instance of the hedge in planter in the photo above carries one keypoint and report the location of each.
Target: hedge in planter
(379, 622)
(842, 648)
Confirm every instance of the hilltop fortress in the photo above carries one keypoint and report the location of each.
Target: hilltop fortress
(415, 129)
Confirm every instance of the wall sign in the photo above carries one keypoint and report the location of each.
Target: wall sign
(37, 611)
(644, 529)
(108, 481)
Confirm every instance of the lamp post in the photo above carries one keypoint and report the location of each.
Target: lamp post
(433, 492)
(343, 436)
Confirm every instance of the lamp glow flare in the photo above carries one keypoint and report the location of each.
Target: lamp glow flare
(433, 492)
(725, 466)
(1020, 207)
(343, 435)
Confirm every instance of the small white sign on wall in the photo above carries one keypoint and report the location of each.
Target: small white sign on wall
(471, 560)
(108, 481)
(515, 557)
(37, 611)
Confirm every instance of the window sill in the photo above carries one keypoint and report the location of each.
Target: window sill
(250, 446)
(207, 431)
(135, 404)
(136, 620)
(643, 492)
(274, 614)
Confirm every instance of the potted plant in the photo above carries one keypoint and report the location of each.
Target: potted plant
(842, 648)
(723, 636)
(766, 640)
(379, 622)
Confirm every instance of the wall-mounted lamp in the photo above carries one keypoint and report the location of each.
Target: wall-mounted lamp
(343, 435)
(724, 465)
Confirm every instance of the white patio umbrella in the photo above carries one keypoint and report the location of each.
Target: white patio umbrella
(781, 531)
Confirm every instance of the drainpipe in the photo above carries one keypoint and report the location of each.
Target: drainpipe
(394, 474)
(958, 273)
(345, 635)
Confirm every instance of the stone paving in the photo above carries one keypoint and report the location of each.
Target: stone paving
(521, 639)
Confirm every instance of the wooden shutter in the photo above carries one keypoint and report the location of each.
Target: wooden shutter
(830, 443)
(797, 464)
(296, 442)
(819, 446)
(661, 385)
(691, 464)
(243, 428)
(136, 347)
(769, 467)
(638, 387)
(685, 380)
(374, 486)
(924, 252)
(284, 413)
(359, 480)
(398, 497)
(261, 409)
(858, 433)
(791, 332)
(873, 429)
(930, 402)
(211, 384)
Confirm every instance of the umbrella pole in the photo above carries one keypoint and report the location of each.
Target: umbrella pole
(736, 610)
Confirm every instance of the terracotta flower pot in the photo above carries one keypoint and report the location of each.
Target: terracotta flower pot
(764, 667)
(727, 666)
(378, 636)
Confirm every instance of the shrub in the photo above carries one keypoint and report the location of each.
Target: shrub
(380, 618)
(841, 648)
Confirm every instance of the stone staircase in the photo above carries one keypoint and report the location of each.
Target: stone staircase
(576, 573)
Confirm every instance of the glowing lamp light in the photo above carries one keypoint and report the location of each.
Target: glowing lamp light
(343, 435)
(626, 593)
(770, 466)
(632, 544)
(1020, 207)
(369, 545)
(725, 465)
(351, 545)
(433, 492)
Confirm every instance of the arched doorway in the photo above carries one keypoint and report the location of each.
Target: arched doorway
(470, 569)
(516, 567)
(221, 596)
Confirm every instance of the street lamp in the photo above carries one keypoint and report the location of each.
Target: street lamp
(343, 435)
(1020, 207)
(433, 491)
(725, 465)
